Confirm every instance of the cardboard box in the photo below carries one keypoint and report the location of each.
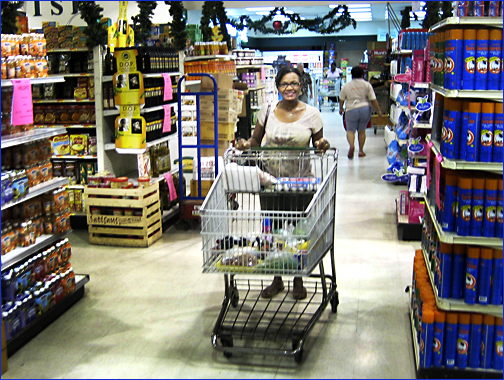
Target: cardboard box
(376, 45)
(224, 82)
(221, 148)
(205, 188)
(226, 131)
(207, 116)
(207, 103)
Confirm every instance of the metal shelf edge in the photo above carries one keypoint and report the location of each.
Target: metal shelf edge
(36, 134)
(40, 189)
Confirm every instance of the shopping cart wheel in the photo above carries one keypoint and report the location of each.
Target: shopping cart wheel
(227, 342)
(234, 296)
(334, 302)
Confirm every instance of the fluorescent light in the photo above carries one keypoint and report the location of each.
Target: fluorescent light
(360, 10)
(363, 19)
(260, 9)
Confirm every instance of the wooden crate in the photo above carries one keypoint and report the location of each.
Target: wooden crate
(128, 231)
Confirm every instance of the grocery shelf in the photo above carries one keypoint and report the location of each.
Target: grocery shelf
(495, 22)
(203, 57)
(107, 78)
(160, 75)
(192, 82)
(414, 194)
(462, 164)
(51, 79)
(50, 316)
(415, 84)
(404, 51)
(40, 189)
(156, 108)
(173, 136)
(451, 304)
(407, 231)
(442, 372)
(495, 95)
(79, 157)
(453, 238)
(256, 88)
(248, 66)
(83, 49)
(21, 253)
(422, 125)
(72, 75)
(171, 213)
(29, 136)
(112, 112)
(63, 101)
(66, 126)
(188, 107)
(75, 187)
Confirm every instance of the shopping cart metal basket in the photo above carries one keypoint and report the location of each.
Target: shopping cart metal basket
(328, 88)
(270, 212)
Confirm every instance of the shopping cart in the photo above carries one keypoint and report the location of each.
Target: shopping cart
(328, 88)
(270, 212)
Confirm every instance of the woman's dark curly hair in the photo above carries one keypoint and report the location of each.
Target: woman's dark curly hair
(284, 71)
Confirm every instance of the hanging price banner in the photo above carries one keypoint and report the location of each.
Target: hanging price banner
(167, 118)
(22, 103)
(130, 131)
(168, 90)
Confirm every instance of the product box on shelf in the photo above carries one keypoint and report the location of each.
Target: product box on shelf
(135, 220)
(224, 82)
(229, 117)
(205, 188)
(226, 131)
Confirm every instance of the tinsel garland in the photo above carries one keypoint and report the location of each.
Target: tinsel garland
(432, 16)
(178, 24)
(91, 13)
(328, 24)
(9, 14)
(142, 21)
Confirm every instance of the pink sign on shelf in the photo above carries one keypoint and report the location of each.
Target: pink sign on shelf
(22, 104)
(403, 78)
(437, 165)
(168, 90)
(167, 118)
(171, 186)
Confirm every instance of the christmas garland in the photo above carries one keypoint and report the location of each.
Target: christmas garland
(328, 24)
(9, 15)
(178, 24)
(215, 12)
(142, 21)
(432, 16)
(91, 13)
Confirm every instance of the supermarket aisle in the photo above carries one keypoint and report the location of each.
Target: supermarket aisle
(149, 313)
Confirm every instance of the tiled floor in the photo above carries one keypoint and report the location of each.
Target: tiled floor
(149, 313)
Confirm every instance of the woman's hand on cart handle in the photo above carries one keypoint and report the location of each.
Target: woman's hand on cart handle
(341, 111)
(322, 144)
(243, 144)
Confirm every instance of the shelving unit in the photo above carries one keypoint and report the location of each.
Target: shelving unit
(495, 95)
(19, 255)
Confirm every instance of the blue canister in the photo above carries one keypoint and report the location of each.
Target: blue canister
(454, 58)
(451, 128)
(469, 58)
(458, 271)
(496, 291)
(475, 340)
(464, 324)
(490, 207)
(463, 131)
(486, 132)
(473, 132)
(450, 201)
(498, 135)
(485, 276)
(494, 59)
(487, 338)
(426, 337)
(438, 344)
(445, 268)
(497, 351)
(471, 283)
(477, 206)
(500, 210)
(481, 73)
(464, 206)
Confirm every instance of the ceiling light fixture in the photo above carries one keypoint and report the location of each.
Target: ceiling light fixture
(351, 6)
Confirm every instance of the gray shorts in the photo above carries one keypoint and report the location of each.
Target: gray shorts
(358, 119)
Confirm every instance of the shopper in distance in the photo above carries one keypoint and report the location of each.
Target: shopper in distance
(288, 123)
(332, 74)
(306, 84)
(358, 96)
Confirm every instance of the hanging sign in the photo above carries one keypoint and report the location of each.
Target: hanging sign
(128, 83)
(415, 146)
(22, 103)
(403, 78)
(130, 130)
(168, 90)
(423, 105)
(167, 118)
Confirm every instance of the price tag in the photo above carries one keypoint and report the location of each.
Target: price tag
(430, 144)
(22, 103)
(171, 186)
(168, 90)
(167, 118)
